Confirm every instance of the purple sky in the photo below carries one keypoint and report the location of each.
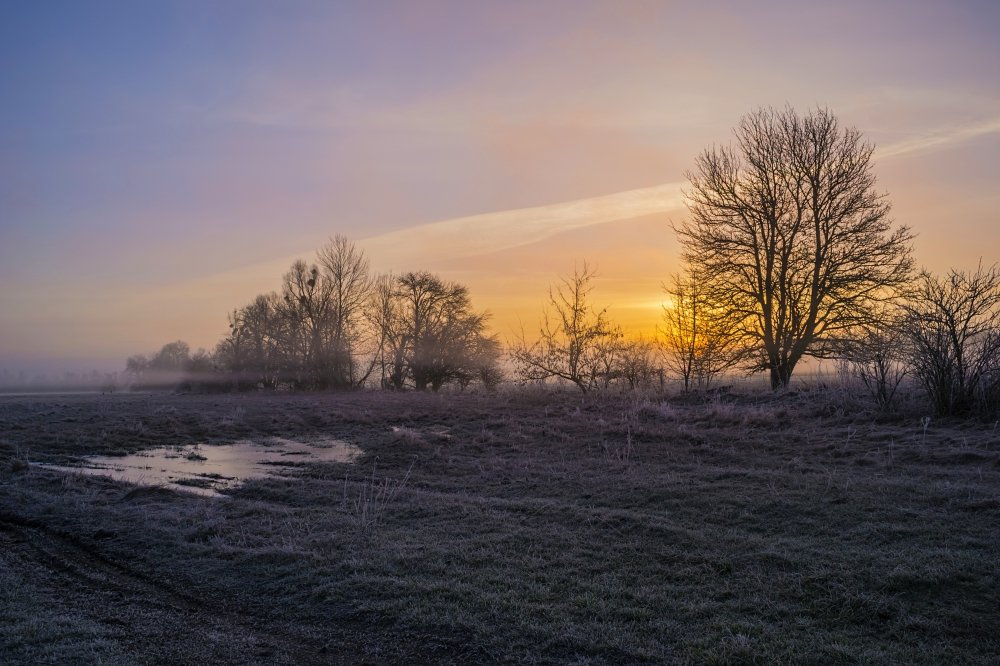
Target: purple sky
(163, 162)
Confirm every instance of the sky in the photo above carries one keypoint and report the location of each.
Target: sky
(161, 163)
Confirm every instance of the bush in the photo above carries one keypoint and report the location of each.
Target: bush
(953, 330)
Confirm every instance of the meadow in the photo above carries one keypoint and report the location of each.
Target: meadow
(520, 526)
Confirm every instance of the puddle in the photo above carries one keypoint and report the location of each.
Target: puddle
(210, 469)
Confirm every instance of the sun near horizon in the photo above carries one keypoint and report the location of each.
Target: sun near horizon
(164, 163)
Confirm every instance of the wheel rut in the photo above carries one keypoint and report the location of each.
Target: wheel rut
(149, 618)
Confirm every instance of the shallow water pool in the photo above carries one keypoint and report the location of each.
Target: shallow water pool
(209, 469)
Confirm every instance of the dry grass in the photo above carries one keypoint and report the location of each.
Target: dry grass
(529, 528)
(371, 497)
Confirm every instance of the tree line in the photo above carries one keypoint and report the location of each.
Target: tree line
(335, 325)
(788, 252)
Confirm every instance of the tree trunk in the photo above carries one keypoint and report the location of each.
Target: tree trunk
(781, 375)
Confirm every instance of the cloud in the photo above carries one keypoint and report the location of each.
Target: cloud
(195, 308)
(492, 232)
(939, 139)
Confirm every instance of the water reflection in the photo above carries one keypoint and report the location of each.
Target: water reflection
(209, 469)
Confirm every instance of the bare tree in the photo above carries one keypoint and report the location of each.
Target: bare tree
(953, 325)
(875, 355)
(445, 337)
(306, 309)
(164, 369)
(573, 338)
(699, 341)
(265, 327)
(429, 335)
(136, 367)
(345, 270)
(637, 365)
(385, 319)
(790, 237)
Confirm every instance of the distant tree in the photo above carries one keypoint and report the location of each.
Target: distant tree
(333, 325)
(345, 268)
(385, 319)
(136, 367)
(428, 334)
(165, 368)
(443, 338)
(264, 326)
(953, 327)
(233, 352)
(635, 363)
(172, 357)
(699, 340)
(789, 236)
(574, 339)
(306, 309)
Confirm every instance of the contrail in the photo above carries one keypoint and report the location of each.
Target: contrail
(426, 245)
(939, 138)
(492, 232)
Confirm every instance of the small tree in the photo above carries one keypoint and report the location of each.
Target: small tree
(953, 326)
(637, 365)
(136, 367)
(574, 339)
(699, 341)
(875, 355)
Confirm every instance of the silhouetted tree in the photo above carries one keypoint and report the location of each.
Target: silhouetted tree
(333, 325)
(631, 363)
(233, 352)
(164, 369)
(699, 340)
(136, 367)
(574, 339)
(306, 309)
(953, 325)
(385, 319)
(172, 357)
(789, 236)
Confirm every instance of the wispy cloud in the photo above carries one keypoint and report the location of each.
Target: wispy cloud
(939, 139)
(492, 232)
(425, 246)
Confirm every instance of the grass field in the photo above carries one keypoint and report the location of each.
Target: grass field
(518, 527)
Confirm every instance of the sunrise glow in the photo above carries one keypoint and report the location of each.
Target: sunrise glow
(164, 163)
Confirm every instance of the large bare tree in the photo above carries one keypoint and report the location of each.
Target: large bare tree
(790, 236)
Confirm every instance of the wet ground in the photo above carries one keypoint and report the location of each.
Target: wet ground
(212, 469)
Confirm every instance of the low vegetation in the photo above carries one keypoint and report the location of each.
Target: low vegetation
(517, 527)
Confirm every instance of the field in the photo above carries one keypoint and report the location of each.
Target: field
(518, 527)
